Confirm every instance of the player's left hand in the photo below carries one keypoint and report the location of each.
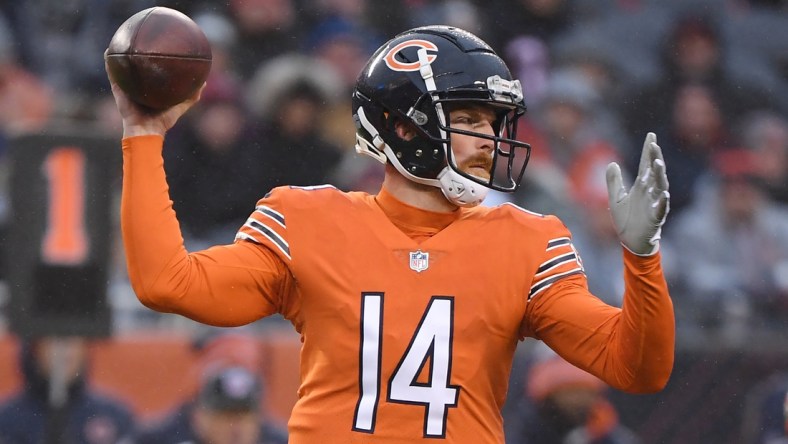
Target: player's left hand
(639, 213)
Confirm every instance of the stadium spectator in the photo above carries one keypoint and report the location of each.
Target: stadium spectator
(26, 102)
(344, 45)
(222, 33)
(357, 11)
(729, 251)
(766, 133)
(697, 130)
(266, 29)
(574, 136)
(213, 161)
(765, 416)
(576, 123)
(290, 96)
(226, 410)
(62, 43)
(56, 404)
(774, 428)
(542, 19)
(463, 14)
(596, 62)
(228, 404)
(565, 405)
(529, 59)
(693, 53)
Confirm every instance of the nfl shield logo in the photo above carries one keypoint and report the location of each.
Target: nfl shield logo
(419, 261)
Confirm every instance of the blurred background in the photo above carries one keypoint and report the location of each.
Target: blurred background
(709, 77)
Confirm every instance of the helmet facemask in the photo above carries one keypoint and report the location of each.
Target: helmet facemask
(509, 156)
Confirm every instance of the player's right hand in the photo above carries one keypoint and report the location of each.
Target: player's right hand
(139, 121)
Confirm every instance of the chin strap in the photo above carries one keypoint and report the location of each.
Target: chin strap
(460, 190)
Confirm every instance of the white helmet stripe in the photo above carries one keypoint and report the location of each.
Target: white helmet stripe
(425, 69)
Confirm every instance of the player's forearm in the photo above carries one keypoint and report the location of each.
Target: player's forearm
(151, 234)
(647, 325)
(630, 349)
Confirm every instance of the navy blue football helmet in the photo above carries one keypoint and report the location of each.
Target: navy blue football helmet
(416, 77)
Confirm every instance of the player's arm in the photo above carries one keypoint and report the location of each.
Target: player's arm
(630, 348)
(224, 285)
(227, 285)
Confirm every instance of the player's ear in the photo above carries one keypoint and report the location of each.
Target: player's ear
(405, 130)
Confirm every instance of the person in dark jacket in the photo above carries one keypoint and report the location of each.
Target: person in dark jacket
(56, 404)
(225, 411)
(213, 166)
(566, 405)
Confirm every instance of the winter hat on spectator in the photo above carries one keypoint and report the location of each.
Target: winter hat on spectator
(734, 164)
(570, 87)
(231, 389)
(553, 374)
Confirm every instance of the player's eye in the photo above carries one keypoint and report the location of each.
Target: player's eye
(461, 120)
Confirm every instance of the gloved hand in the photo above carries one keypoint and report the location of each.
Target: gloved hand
(639, 214)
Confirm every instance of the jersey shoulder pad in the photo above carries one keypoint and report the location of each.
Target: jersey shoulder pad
(518, 209)
(267, 225)
(559, 257)
(533, 221)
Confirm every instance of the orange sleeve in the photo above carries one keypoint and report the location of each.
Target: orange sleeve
(227, 285)
(629, 348)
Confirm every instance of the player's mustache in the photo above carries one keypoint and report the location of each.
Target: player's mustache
(479, 160)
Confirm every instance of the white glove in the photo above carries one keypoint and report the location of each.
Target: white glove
(638, 215)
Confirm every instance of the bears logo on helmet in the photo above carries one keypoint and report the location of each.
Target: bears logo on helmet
(396, 65)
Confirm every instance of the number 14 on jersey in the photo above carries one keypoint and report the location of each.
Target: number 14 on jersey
(432, 340)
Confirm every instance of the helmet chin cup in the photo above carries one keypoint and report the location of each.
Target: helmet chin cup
(460, 190)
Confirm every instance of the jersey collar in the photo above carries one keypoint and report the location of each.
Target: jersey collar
(410, 218)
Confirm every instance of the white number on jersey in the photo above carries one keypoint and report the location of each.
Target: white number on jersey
(432, 341)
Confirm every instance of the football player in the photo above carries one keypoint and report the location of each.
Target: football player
(410, 303)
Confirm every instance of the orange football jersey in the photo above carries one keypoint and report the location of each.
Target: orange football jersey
(405, 340)
(409, 319)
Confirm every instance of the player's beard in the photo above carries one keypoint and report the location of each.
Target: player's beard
(478, 166)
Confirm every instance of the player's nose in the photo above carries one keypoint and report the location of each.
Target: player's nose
(484, 143)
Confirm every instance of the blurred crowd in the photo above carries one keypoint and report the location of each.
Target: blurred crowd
(709, 77)
(59, 404)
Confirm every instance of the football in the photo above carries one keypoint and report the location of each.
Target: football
(159, 57)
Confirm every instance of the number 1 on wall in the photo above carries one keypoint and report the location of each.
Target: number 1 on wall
(65, 239)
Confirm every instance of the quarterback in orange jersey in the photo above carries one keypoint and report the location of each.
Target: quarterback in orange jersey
(411, 302)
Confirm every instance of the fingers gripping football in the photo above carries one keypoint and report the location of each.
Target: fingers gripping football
(638, 214)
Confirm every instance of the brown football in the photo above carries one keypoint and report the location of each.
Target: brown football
(159, 57)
